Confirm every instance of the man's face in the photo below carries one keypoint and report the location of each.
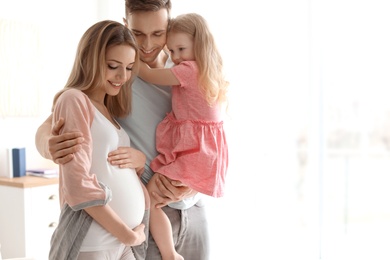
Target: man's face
(150, 30)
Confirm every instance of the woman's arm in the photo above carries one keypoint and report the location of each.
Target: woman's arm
(78, 180)
(107, 218)
(55, 147)
(164, 77)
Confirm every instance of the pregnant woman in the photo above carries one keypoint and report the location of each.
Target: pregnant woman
(102, 205)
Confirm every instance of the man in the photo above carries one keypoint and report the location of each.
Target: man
(148, 19)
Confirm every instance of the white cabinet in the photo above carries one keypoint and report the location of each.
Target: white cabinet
(30, 210)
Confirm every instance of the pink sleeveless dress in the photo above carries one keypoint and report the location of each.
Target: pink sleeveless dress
(191, 140)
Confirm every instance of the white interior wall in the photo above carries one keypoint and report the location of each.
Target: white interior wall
(61, 24)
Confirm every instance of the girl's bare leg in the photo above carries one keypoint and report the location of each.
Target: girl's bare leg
(160, 226)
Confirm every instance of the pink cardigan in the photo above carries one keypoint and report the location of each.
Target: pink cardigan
(78, 186)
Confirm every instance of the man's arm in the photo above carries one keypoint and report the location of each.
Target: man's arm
(58, 148)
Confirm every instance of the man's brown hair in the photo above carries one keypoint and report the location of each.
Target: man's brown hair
(133, 6)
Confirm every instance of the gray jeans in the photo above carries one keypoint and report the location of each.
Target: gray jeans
(190, 235)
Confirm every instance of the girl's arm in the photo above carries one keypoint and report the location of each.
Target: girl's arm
(164, 77)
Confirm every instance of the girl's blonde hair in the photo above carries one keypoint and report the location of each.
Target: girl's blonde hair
(208, 59)
(89, 68)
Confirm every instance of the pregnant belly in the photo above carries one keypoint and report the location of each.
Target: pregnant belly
(128, 199)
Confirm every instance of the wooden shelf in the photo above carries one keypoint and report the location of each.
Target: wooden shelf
(27, 181)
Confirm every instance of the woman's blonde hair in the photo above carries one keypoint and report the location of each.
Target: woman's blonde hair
(208, 59)
(89, 68)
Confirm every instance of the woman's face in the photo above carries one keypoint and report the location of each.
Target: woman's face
(120, 60)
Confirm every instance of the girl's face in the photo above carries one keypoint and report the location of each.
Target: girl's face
(181, 46)
(120, 61)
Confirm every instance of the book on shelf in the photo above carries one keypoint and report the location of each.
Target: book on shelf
(42, 172)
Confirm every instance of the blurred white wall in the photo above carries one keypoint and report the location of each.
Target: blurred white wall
(61, 25)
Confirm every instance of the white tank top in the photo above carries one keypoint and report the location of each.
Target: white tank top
(127, 194)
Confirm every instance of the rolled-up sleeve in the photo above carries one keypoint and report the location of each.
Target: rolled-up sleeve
(79, 187)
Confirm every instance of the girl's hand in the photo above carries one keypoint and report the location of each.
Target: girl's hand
(127, 157)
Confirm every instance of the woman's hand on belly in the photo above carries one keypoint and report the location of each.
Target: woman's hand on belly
(127, 157)
(139, 236)
(108, 219)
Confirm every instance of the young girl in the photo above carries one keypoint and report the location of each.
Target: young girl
(102, 206)
(190, 139)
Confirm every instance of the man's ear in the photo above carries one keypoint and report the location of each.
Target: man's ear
(125, 22)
